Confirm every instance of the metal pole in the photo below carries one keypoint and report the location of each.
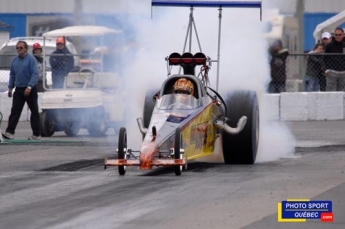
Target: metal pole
(44, 63)
(191, 30)
(218, 52)
(300, 17)
(188, 29)
(102, 54)
(78, 11)
(300, 4)
(197, 36)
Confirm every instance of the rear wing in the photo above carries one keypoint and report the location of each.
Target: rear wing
(208, 4)
(193, 3)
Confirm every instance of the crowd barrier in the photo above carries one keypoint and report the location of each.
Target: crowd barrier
(304, 106)
(289, 106)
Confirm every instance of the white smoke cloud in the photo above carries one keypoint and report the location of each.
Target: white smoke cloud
(244, 63)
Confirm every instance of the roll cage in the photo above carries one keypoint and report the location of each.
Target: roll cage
(191, 24)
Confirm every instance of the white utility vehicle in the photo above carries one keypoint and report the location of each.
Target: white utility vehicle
(90, 97)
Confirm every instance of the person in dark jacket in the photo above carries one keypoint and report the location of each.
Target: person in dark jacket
(37, 52)
(335, 62)
(61, 62)
(315, 69)
(278, 67)
(24, 78)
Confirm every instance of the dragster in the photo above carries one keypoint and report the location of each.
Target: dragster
(182, 121)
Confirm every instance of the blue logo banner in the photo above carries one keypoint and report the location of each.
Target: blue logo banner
(305, 209)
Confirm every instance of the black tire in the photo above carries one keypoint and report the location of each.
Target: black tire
(177, 151)
(242, 148)
(97, 125)
(47, 124)
(72, 129)
(121, 149)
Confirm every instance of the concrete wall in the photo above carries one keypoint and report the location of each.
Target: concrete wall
(298, 106)
(303, 106)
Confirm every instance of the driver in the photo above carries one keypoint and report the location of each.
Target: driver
(182, 90)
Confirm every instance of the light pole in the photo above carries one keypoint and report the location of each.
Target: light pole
(77, 13)
(300, 5)
(300, 8)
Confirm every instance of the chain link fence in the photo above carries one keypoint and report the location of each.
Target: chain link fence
(5, 64)
(301, 72)
(295, 75)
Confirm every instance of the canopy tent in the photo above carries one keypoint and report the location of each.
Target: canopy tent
(80, 30)
(329, 25)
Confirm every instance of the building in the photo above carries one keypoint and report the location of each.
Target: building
(34, 17)
(316, 12)
(4, 31)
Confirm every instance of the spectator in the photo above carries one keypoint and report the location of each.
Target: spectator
(314, 71)
(335, 63)
(278, 65)
(37, 52)
(61, 62)
(24, 77)
(326, 38)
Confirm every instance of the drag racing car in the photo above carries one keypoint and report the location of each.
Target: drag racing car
(182, 121)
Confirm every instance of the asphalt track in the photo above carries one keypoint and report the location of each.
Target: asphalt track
(63, 185)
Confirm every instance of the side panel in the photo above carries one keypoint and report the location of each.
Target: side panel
(199, 134)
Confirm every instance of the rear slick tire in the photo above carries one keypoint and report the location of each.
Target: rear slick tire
(242, 148)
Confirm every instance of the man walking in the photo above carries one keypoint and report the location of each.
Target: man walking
(23, 77)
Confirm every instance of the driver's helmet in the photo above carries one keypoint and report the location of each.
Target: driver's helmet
(183, 86)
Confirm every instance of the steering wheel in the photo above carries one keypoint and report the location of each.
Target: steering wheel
(87, 78)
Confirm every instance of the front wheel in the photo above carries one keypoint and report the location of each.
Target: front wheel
(122, 149)
(177, 151)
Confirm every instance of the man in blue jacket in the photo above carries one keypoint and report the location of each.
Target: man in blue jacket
(23, 77)
(61, 62)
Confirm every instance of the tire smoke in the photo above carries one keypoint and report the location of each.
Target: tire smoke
(243, 64)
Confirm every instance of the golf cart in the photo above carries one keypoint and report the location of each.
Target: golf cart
(89, 98)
